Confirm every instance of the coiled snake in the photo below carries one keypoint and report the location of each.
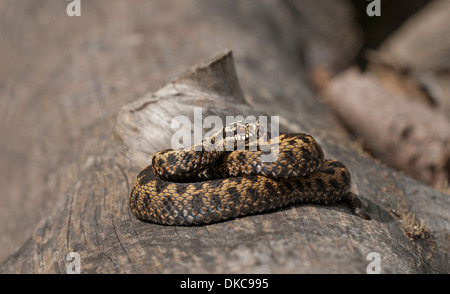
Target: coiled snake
(201, 185)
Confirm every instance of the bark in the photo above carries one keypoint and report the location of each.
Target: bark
(415, 61)
(399, 106)
(399, 131)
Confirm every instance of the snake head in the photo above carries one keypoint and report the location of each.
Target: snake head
(236, 135)
(242, 133)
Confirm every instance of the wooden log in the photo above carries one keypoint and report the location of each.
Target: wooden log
(414, 60)
(402, 132)
(95, 222)
(90, 179)
(63, 77)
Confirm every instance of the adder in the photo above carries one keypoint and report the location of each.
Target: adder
(210, 182)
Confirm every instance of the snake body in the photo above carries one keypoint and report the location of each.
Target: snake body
(197, 186)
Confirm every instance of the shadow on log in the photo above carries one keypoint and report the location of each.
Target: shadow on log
(93, 218)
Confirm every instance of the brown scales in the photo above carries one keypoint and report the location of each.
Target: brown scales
(191, 187)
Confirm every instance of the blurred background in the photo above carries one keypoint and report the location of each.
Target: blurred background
(61, 77)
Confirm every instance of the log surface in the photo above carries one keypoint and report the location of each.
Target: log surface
(84, 111)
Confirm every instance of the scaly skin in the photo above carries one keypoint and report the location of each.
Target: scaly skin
(188, 187)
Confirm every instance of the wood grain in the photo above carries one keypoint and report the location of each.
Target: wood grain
(84, 111)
